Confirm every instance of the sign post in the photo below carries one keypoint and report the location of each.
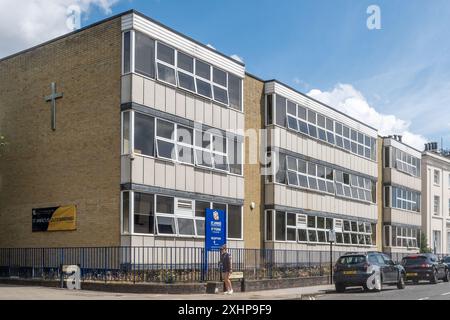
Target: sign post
(215, 234)
(331, 239)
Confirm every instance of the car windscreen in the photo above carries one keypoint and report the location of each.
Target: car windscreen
(352, 259)
(413, 261)
(447, 259)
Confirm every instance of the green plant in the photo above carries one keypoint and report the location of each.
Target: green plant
(423, 244)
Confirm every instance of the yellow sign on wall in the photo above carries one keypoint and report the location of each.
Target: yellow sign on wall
(55, 219)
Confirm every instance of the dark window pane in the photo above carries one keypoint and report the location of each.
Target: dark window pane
(185, 62)
(269, 225)
(220, 95)
(166, 74)
(186, 227)
(200, 224)
(303, 127)
(203, 158)
(165, 129)
(200, 208)
(186, 81)
(220, 77)
(312, 235)
(302, 235)
(166, 54)
(301, 112)
(143, 213)
(166, 225)
(234, 222)
(291, 108)
(235, 156)
(144, 134)
(280, 226)
(280, 111)
(203, 69)
(312, 130)
(166, 149)
(164, 204)
(145, 55)
(235, 91)
(203, 88)
(126, 52)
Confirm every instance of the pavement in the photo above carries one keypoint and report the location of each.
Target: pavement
(421, 291)
(13, 292)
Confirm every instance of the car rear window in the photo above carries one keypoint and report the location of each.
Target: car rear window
(352, 259)
(411, 261)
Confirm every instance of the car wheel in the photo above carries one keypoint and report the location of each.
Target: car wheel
(447, 276)
(415, 281)
(434, 278)
(339, 287)
(401, 282)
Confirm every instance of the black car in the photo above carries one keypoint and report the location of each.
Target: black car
(446, 261)
(371, 270)
(425, 266)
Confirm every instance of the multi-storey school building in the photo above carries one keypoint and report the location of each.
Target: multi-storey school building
(436, 198)
(137, 129)
(324, 174)
(402, 185)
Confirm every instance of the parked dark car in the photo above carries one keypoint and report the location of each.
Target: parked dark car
(446, 261)
(425, 266)
(371, 270)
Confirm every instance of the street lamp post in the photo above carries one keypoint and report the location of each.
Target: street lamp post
(331, 239)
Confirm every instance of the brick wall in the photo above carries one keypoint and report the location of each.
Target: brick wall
(79, 163)
(254, 182)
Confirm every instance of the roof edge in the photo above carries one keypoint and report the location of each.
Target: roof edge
(324, 104)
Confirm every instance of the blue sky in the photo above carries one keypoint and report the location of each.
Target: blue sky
(402, 70)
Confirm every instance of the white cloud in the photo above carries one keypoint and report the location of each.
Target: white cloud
(350, 101)
(26, 23)
(237, 58)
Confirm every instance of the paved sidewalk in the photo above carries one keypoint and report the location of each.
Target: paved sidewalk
(12, 292)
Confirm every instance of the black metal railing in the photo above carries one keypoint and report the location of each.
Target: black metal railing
(164, 264)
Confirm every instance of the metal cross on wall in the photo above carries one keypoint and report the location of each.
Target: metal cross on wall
(52, 97)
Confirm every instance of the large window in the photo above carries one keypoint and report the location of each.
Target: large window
(168, 140)
(402, 161)
(436, 205)
(155, 59)
(144, 214)
(404, 237)
(172, 216)
(437, 177)
(403, 199)
(295, 227)
(303, 174)
(144, 55)
(306, 121)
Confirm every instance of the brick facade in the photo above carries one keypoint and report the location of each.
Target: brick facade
(79, 163)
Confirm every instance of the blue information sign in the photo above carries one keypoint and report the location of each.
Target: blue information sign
(215, 229)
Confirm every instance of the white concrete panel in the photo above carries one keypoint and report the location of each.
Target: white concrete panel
(199, 181)
(217, 115)
(180, 177)
(216, 184)
(208, 113)
(240, 188)
(180, 109)
(149, 171)
(225, 119)
(224, 186)
(208, 182)
(170, 100)
(160, 174)
(240, 120)
(125, 164)
(137, 170)
(126, 89)
(170, 175)
(137, 93)
(199, 109)
(149, 93)
(233, 120)
(190, 179)
(190, 107)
